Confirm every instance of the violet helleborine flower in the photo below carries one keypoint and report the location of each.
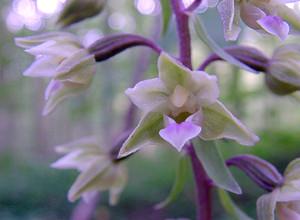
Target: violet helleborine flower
(283, 201)
(61, 57)
(267, 16)
(98, 171)
(178, 106)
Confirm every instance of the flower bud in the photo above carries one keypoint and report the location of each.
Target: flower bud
(260, 171)
(77, 10)
(283, 73)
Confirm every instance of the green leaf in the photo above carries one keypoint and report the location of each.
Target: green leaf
(204, 36)
(166, 13)
(230, 207)
(181, 176)
(214, 165)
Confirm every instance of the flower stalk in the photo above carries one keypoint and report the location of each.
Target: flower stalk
(203, 184)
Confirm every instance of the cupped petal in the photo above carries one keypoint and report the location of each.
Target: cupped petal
(290, 191)
(43, 66)
(172, 73)
(178, 134)
(229, 13)
(77, 63)
(205, 87)
(291, 16)
(275, 25)
(218, 122)
(32, 41)
(149, 95)
(250, 14)
(286, 213)
(265, 206)
(145, 134)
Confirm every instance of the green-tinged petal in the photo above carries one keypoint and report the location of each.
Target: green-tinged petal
(59, 91)
(149, 95)
(181, 176)
(78, 63)
(218, 122)
(227, 10)
(265, 206)
(231, 208)
(32, 41)
(96, 177)
(145, 134)
(214, 165)
(173, 73)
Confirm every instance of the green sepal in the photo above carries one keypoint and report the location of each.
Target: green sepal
(214, 165)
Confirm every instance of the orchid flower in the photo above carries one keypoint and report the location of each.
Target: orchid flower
(283, 201)
(98, 172)
(267, 16)
(61, 57)
(178, 106)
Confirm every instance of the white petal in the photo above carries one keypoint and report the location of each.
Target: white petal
(227, 10)
(43, 66)
(265, 206)
(179, 134)
(149, 95)
(286, 213)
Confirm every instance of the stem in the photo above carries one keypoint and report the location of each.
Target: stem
(193, 6)
(203, 187)
(203, 183)
(184, 37)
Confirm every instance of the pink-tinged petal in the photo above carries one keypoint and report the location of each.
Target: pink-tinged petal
(43, 66)
(284, 212)
(179, 134)
(250, 14)
(275, 26)
(229, 16)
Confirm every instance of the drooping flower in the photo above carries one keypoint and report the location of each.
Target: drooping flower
(178, 106)
(283, 72)
(61, 57)
(267, 16)
(283, 201)
(98, 171)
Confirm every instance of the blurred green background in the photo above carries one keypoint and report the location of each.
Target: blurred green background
(30, 189)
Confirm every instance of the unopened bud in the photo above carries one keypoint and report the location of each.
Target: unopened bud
(260, 171)
(77, 10)
(283, 73)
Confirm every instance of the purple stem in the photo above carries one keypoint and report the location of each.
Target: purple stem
(184, 37)
(203, 187)
(203, 184)
(193, 6)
